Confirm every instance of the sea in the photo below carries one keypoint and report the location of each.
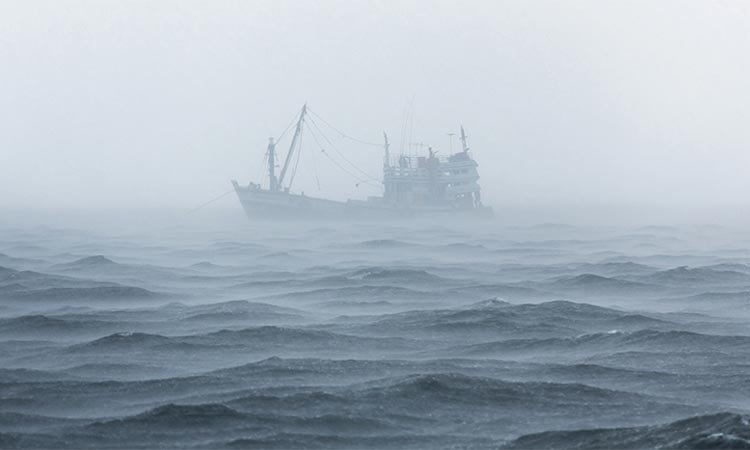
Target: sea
(260, 335)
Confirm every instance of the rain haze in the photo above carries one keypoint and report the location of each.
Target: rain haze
(158, 104)
(374, 225)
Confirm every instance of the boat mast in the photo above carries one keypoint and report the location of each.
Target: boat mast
(272, 184)
(387, 147)
(463, 140)
(297, 132)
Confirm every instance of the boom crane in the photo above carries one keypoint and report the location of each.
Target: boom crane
(297, 132)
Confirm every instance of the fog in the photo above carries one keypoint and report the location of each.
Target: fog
(121, 105)
(605, 305)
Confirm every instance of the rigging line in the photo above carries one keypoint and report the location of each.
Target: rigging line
(322, 150)
(262, 173)
(209, 202)
(358, 178)
(315, 168)
(333, 146)
(294, 120)
(342, 133)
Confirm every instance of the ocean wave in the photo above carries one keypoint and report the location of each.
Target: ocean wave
(208, 266)
(188, 413)
(88, 262)
(114, 372)
(382, 244)
(596, 284)
(123, 340)
(490, 303)
(700, 276)
(12, 288)
(412, 390)
(714, 301)
(464, 246)
(616, 269)
(19, 263)
(358, 293)
(279, 256)
(99, 293)
(392, 275)
(457, 388)
(11, 421)
(38, 280)
(615, 341)
(30, 376)
(239, 311)
(507, 291)
(5, 271)
(371, 336)
(257, 339)
(724, 430)
(215, 419)
(42, 326)
(499, 318)
(334, 440)
(18, 440)
(731, 267)
(268, 334)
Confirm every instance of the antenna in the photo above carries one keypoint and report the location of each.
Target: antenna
(387, 147)
(450, 141)
(464, 145)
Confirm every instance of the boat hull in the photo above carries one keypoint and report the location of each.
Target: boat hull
(261, 204)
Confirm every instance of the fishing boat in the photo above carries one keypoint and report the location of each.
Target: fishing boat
(413, 185)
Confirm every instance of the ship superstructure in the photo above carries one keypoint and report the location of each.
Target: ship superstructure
(431, 180)
(412, 185)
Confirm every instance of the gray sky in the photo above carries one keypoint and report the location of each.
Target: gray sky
(161, 103)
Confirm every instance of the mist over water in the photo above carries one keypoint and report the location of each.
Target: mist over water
(605, 305)
(117, 104)
(380, 335)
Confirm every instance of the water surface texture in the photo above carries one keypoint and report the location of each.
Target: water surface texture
(375, 336)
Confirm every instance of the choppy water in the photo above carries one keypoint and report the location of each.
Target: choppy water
(375, 336)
